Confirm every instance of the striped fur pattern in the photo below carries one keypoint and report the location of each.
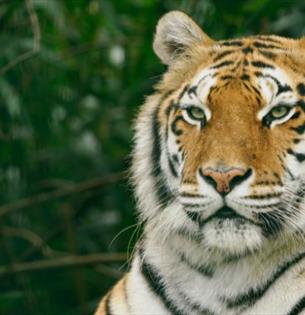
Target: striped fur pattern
(219, 173)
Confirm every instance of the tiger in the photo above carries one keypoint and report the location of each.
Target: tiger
(218, 171)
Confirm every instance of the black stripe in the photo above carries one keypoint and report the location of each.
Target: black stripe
(258, 74)
(174, 128)
(155, 282)
(261, 197)
(207, 271)
(192, 90)
(300, 129)
(172, 166)
(271, 223)
(283, 89)
(280, 88)
(256, 91)
(182, 92)
(223, 54)
(107, 305)
(247, 87)
(301, 103)
(163, 192)
(288, 172)
(193, 215)
(249, 298)
(170, 161)
(168, 110)
(175, 158)
(264, 206)
(189, 194)
(204, 77)
(267, 54)
(245, 77)
(296, 115)
(222, 64)
(268, 38)
(266, 46)
(298, 308)
(261, 64)
(247, 50)
(226, 77)
(195, 307)
(232, 43)
(270, 183)
(301, 89)
(299, 156)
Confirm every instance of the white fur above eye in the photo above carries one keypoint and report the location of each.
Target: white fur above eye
(269, 89)
(192, 121)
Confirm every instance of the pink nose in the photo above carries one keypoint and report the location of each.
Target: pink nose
(225, 181)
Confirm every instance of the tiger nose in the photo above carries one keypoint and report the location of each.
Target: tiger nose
(225, 181)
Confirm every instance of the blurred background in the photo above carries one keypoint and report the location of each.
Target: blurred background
(73, 74)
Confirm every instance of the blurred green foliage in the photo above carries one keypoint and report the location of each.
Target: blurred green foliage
(66, 117)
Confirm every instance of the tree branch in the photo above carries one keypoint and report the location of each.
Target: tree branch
(59, 193)
(28, 236)
(36, 41)
(63, 262)
(109, 271)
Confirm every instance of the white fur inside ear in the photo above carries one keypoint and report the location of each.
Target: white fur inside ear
(175, 34)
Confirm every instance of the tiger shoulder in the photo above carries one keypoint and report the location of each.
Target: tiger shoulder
(219, 172)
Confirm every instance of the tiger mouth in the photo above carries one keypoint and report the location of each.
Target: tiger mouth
(225, 212)
(222, 213)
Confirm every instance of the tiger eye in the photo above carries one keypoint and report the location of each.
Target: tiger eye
(279, 111)
(196, 113)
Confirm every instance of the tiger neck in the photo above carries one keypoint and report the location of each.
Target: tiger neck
(186, 269)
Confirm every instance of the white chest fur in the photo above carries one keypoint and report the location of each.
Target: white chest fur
(241, 287)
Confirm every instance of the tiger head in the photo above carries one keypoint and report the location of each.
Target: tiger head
(220, 146)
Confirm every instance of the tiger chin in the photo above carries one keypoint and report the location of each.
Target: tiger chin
(218, 172)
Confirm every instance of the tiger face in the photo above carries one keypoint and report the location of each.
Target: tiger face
(220, 149)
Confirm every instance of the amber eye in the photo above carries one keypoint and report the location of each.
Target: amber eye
(279, 112)
(195, 113)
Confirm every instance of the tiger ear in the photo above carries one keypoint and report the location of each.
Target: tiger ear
(175, 34)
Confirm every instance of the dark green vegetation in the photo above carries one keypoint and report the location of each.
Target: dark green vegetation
(65, 135)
